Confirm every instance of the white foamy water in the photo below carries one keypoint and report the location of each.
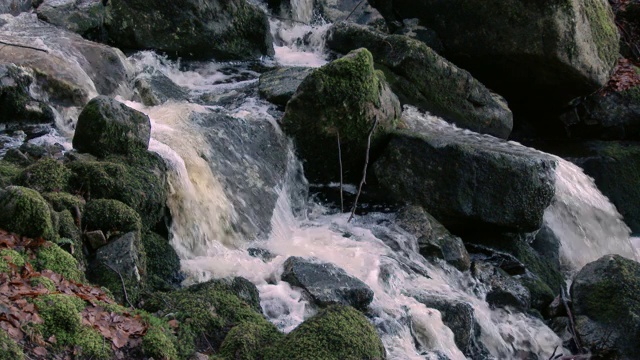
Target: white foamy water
(299, 44)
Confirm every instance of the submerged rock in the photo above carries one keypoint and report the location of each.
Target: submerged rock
(224, 30)
(433, 238)
(326, 283)
(421, 77)
(466, 180)
(279, 85)
(567, 47)
(155, 88)
(341, 99)
(606, 303)
(106, 126)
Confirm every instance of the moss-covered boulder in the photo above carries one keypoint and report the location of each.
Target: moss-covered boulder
(25, 212)
(8, 173)
(138, 181)
(110, 216)
(52, 257)
(206, 312)
(341, 99)
(10, 258)
(336, 333)
(106, 126)
(248, 341)
(606, 304)
(61, 201)
(45, 175)
(16, 101)
(567, 47)
(229, 29)
(9, 349)
(163, 263)
(421, 77)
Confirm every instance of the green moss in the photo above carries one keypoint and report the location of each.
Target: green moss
(44, 281)
(25, 212)
(45, 175)
(53, 258)
(248, 341)
(163, 264)
(541, 293)
(603, 30)
(110, 216)
(61, 201)
(8, 173)
(158, 344)
(105, 277)
(9, 256)
(336, 333)
(90, 344)
(67, 226)
(633, 93)
(8, 348)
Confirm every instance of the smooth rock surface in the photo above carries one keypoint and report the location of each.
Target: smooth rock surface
(279, 85)
(79, 16)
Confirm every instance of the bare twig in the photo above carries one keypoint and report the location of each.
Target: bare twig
(572, 325)
(23, 46)
(364, 171)
(288, 19)
(354, 10)
(340, 162)
(124, 289)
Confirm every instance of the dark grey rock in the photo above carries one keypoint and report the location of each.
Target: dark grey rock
(606, 304)
(434, 240)
(155, 88)
(279, 85)
(123, 254)
(17, 102)
(505, 261)
(355, 10)
(503, 289)
(421, 77)
(224, 30)
(466, 180)
(79, 16)
(326, 283)
(15, 7)
(106, 126)
(95, 239)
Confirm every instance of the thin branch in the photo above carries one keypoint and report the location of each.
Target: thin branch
(572, 325)
(340, 162)
(364, 171)
(124, 289)
(354, 10)
(24, 46)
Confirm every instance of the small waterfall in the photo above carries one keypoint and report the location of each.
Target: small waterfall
(302, 10)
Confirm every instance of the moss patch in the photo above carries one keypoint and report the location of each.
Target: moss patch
(248, 341)
(603, 30)
(45, 282)
(163, 264)
(158, 344)
(336, 333)
(61, 201)
(8, 348)
(53, 258)
(110, 216)
(9, 256)
(45, 175)
(25, 212)
(8, 173)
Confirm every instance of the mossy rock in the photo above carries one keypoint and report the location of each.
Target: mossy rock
(67, 227)
(44, 281)
(110, 216)
(10, 257)
(137, 181)
(163, 263)
(45, 175)
(158, 344)
(61, 201)
(51, 257)
(25, 212)
(336, 333)
(248, 341)
(9, 349)
(8, 173)
(206, 313)
(342, 98)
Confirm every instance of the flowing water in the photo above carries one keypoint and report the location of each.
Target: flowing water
(208, 219)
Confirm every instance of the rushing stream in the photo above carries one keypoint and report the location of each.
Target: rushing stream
(214, 236)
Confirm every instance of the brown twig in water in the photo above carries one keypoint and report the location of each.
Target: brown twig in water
(364, 171)
(24, 46)
(340, 162)
(354, 10)
(572, 325)
(124, 289)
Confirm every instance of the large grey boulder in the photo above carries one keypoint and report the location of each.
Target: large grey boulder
(421, 77)
(466, 180)
(434, 240)
(326, 283)
(80, 16)
(279, 85)
(106, 126)
(554, 50)
(342, 99)
(220, 29)
(606, 304)
(15, 7)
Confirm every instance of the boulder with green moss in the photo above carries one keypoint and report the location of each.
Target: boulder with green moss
(138, 181)
(229, 29)
(17, 103)
(45, 175)
(45, 282)
(606, 305)
(421, 77)
(344, 99)
(9, 349)
(206, 312)
(106, 126)
(8, 173)
(52, 257)
(163, 263)
(110, 216)
(538, 54)
(248, 341)
(61, 201)
(336, 333)
(25, 212)
(10, 258)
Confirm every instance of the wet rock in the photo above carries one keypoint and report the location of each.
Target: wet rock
(17, 102)
(413, 29)
(503, 289)
(434, 240)
(348, 10)
(155, 88)
(606, 303)
(262, 254)
(279, 85)
(79, 16)
(505, 261)
(422, 78)
(15, 7)
(224, 30)
(432, 164)
(95, 239)
(326, 283)
(568, 48)
(106, 126)
(163, 263)
(25, 212)
(344, 97)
